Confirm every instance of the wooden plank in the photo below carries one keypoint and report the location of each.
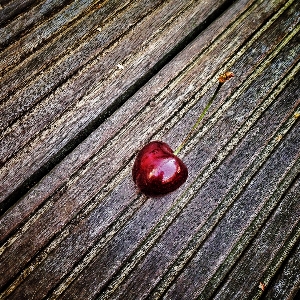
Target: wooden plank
(10, 9)
(55, 56)
(81, 185)
(65, 128)
(272, 239)
(98, 139)
(286, 284)
(84, 231)
(124, 252)
(33, 201)
(15, 30)
(53, 28)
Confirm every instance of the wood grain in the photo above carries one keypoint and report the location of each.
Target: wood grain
(279, 229)
(285, 284)
(89, 106)
(18, 27)
(83, 231)
(11, 9)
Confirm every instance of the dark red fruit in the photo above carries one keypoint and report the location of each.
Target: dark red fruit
(157, 170)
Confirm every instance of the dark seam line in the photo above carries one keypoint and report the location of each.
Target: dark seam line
(243, 189)
(94, 124)
(36, 23)
(219, 286)
(58, 85)
(17, 12)
(86, 37)
(138, 201)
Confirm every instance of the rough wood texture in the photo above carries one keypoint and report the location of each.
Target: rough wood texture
(94, 99)
(84, 85)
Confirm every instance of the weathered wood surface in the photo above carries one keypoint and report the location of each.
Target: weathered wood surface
(84, 84)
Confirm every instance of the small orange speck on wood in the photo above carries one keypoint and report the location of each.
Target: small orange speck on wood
(262, 286)
(224, 77)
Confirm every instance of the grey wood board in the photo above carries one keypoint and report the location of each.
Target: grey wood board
(84, 231)
(286, 283)
(23, 136)
(12, 9)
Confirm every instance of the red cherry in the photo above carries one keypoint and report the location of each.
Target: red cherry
(157, 170)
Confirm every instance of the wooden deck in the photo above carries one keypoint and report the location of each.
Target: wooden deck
(84, 84)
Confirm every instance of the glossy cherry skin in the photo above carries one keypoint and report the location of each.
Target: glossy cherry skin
(157, 171)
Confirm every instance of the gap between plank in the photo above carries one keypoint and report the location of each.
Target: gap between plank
(94, 124)
(180, 204)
